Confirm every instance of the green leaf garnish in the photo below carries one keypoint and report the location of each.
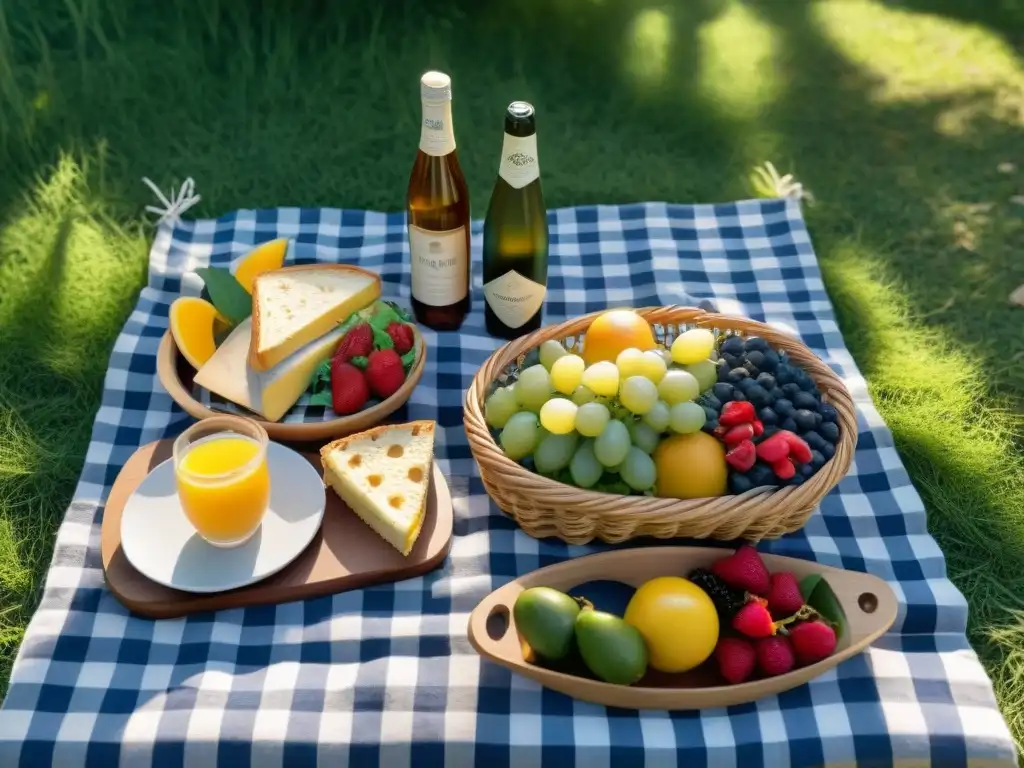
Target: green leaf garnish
(321, 379)
(226, 293)
(322, 398)
(359, 362)
(403, 314)
(408, 359)
(381, 338)
(819, 595)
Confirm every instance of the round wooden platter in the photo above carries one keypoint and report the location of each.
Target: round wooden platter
(176, 374)
(869, 603)
(345, 554)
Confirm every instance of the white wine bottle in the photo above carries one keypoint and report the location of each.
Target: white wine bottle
(437, 203)
(516, 233)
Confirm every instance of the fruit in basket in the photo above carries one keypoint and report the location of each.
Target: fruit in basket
(566, 373)
(653, 365)
(754, 620)
(612, 445)
(554, 452)
(601, 378)
(693, 346)
(658, 417)
(194, 325)
(678, 386)
(613, 331)
(592, 418)
(637, 470)
(558, 416)
(638, 394)
(706, 373)
(500, 406)
(690, 466)
(775, 655)
(550, 351)
(584, 468)
(744, 569)
(520, 435)
(686, 418)
(612, 649)
(784, 597)
(736, 659)
(533, 387)
(677, 620)
(812, 641)
(546, 619)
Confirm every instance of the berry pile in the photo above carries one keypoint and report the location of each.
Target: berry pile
(770, 414)
(773, 629)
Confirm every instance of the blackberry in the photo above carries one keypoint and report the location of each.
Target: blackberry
(727, 600)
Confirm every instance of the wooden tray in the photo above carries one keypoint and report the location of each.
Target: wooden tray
(869, 603)
(176, 375)
(345, 554)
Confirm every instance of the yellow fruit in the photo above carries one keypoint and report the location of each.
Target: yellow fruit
(678, 622)
(614, 331)
(263, 258)
(690, 466)
(193, 324)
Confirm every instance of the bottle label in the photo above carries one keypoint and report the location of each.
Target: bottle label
(440, 265)
(514, 299)
(437, 136)
(519, 165)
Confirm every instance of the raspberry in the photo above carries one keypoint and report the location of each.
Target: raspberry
(743, 569)
(775, 655)
(736, 659)
(727, 600)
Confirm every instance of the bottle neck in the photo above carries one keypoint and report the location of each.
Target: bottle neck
(437, 135)
(519, 163)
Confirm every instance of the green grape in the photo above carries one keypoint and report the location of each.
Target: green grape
(705, 372)
(566, 373)
(654, 365)
(558, 416)
(693, 346)
(676, 387)
(520, 435)
(685, 418)
(591, 419)
(601, 378)
(581, 395)
(619, 411)
(554, 452)
(534, 387)
(638, 470)
(612, 445)
(550, 351)
(630, 362)
(657, 417)
(499, 407)
(585, 469)
(644, 436)
(638, 394)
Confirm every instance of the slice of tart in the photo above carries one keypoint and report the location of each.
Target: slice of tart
(383, 475)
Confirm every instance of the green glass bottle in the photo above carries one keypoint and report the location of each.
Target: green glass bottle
(515, 268)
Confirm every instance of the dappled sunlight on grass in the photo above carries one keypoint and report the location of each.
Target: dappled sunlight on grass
(648, 43)
(737, 71)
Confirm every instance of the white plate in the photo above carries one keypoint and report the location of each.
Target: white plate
(160, 542)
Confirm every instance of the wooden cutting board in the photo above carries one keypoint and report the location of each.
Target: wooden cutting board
(345, 554)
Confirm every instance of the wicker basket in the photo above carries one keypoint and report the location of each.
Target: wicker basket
(543, 507)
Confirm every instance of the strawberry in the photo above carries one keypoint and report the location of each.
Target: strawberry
(812, 641)
(799, 450)
(401, 334)
(783, 469)
(775, 655)
(738, 434)
(743, 569)
(775, 448)
(384, 372)
(357, 342)
(742, 456)
(736, 659)
(736, 412)
(753, 620)
(784, 598)
(758, 426)
(349, 390)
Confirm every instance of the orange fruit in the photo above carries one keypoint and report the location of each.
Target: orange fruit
(690, 467)
(677, 620)
(194, 322)
(613, 331)
(263, 258)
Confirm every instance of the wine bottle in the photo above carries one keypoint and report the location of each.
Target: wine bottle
(516, 233)
(437, 204)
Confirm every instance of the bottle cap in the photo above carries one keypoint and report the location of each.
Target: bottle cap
(520, 119)
(435, 86)
(520, 110)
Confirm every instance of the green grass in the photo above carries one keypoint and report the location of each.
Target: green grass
(897, 115)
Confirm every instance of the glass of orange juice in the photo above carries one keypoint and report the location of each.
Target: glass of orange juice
(221, 469)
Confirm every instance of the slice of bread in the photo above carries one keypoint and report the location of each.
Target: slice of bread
(383, 475)
(296, 305)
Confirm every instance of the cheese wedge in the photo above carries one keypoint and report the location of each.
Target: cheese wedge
(383, 475)
(294, 306)
(269, 393)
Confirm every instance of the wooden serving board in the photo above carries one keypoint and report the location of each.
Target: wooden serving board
(869, 603)
(345, 554)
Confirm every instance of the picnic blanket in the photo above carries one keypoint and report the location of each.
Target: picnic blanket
(385, 675)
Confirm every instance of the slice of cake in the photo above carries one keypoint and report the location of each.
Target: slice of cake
(383, 474)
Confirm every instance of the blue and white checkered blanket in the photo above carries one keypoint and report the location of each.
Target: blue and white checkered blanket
(385, 675)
